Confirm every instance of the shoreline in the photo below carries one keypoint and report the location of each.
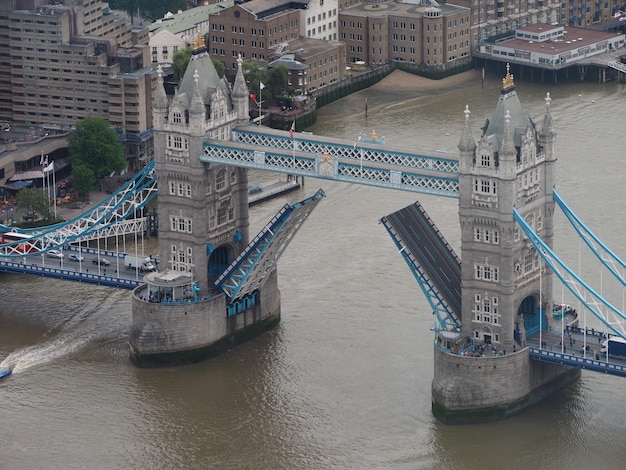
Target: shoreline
(392, 91)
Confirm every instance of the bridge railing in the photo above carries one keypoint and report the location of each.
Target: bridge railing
(578, 361)
(68, 274)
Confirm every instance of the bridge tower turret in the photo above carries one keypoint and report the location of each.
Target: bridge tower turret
(512, 166)
(204, 226)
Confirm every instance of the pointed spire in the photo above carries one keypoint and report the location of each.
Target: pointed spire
(547, 118)
(239, 87)
(160, 100)
(508, 146)
(197, 103)
(467, 143)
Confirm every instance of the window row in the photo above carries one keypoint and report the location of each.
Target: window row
(485, 186)
(486, 273)
(486, 235)
(486, 309)
(181, 258)
(180, 189)
(181, 224)
(177, 142)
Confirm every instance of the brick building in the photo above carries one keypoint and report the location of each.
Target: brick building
(262, 30)
(377, 33)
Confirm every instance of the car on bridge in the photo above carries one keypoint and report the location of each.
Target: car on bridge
(101, 261)
(55, 254)
(75, 257)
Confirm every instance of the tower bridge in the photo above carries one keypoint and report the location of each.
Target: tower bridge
(220, 285)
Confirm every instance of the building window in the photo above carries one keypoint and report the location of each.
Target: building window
(220, 180)
(486, 273)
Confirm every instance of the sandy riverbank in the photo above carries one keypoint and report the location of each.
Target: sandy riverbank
(394, 89)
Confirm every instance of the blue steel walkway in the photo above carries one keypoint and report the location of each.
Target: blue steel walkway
(576, 347)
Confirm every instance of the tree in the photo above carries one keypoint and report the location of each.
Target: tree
(34, 202)
(156, 9)
(83, 179)
(274, 80)
(277, 80)
(219, 67)
(179, 62)
(97, 146)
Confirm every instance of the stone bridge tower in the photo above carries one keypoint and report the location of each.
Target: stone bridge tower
(512, 166)
(178, 316)
(203, 209)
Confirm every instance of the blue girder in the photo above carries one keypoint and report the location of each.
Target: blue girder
(607, 313)
(249, 271)
(119, 206)
(321, 157)
(612, 262)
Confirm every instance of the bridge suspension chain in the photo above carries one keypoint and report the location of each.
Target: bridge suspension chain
(609, 259)
(607, 313)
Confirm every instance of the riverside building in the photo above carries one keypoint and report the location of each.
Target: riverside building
(63, 61)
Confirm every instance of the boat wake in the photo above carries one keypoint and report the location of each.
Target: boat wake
(25, 358)
(80, 331)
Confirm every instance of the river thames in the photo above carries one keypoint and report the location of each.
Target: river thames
(344, 382)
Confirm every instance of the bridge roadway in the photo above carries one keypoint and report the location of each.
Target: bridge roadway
(428, 252)
(367, 162)
(88, 271)
(580, 348)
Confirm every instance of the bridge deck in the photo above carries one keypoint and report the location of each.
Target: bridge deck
(436, 257)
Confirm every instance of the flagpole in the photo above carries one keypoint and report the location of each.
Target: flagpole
(54, 190)
(43, 174)
(260, 102)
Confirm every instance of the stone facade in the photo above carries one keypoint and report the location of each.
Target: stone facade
(505, 286)
(480, 389)
(164, 334)
(203, 214)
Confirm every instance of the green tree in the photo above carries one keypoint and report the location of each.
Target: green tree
(219, 67)
(83, 179)
(97, 146)
(274, 80)
(277, 81)
(156, 9)
(254, 73)
(179, 62)
(34, 202)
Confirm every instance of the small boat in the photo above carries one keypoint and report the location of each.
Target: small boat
(4, 373)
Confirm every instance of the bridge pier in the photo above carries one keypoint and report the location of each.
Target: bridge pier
(481, 389)
(165, 333)
(179, 316)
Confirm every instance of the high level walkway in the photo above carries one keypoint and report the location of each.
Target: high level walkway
(321, 157)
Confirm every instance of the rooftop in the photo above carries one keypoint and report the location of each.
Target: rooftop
(572, 40)
(188, 19)
(400, 9)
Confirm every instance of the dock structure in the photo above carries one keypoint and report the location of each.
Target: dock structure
(544, 51)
